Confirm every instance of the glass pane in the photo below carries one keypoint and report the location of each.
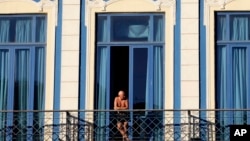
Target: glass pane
(158, 28)
(22, 74)
(240, 27)
(221, 76)
(21, 91)
(101, 92)
(129, 28)
(20, 29)
(39, 86)
(102, 29)
(101, 77)
(140, 77)
(221, 90)
(23, 29)
(158, 78)
(239, 72)
(4, 69)
(4, 30)
(221, 28)
(40, 29)
(39, 78)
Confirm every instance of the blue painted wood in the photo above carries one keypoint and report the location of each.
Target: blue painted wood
(57, 73)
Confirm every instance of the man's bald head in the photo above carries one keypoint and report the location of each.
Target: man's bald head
(121, 94)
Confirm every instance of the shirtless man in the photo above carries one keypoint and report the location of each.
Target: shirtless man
(121, 103)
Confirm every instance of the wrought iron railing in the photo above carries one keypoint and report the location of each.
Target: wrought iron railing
(101, 125)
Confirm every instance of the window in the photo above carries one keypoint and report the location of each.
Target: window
(22, 70)
(129, 57)
(232, 66)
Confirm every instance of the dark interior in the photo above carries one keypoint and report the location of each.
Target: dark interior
(119, 71)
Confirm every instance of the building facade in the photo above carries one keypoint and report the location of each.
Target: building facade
(165, 54)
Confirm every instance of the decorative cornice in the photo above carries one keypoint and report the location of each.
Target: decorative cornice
(163, 3)
(41, 4)
(104, 3)
(47, 3)
(220, 3)
(159, 4)
(28, 1)
(213, 3)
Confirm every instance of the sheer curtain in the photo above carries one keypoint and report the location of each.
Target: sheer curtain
(23, 30)
(158, 91)
(158, 28)
(22, 84)
(154, 98)
(238, 98)
(222, 78)
(21, 89)
(101, 79)
(40, 29)
(222, 91)
(239, 65)
(221, 28)
(157, 101)
(240, 28)
(102, 29)
(101, 91)
(39, 91)
(22, 74)
(239, 83)
(158, 64)
(4, 69)
(4, 30)
(158, 78)
(22, 57)
(39, 79)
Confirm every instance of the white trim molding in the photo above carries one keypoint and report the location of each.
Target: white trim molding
(210, 6)
(104, 3)
(49, 4)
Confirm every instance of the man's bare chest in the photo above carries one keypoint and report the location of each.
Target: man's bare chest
(121, 103)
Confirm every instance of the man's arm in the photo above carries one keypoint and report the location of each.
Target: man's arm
(115, 104)
(126, 104)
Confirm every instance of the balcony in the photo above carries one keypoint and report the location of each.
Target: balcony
(101, 125)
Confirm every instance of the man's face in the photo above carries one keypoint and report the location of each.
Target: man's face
(121, 95)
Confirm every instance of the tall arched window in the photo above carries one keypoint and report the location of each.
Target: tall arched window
(129, 56)
(232, 68)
